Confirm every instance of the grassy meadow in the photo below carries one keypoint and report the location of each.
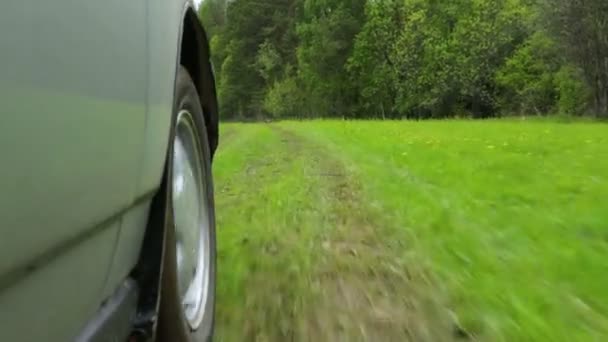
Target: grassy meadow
(421, 231)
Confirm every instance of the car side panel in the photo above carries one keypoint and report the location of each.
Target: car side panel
(163, 25)
(130, 239)
(73, 78)
(55, 302)
(164, 29)
(72, 90)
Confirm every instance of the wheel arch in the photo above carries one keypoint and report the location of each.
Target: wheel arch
(195, 56)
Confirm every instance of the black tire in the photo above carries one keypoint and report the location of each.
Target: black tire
(172, 324)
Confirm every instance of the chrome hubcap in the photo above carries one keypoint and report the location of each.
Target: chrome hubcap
(190, 211)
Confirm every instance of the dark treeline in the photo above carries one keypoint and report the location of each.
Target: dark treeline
(409, 58)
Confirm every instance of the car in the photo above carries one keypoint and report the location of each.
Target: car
(108, 128)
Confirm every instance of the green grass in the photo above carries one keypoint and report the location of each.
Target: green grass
(336, 230)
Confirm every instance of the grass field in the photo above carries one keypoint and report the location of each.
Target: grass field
(423, 231)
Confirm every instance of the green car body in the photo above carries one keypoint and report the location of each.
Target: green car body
(86, 89)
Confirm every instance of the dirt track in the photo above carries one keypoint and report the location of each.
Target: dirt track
(334, 277)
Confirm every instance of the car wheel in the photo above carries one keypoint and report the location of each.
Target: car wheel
(187, 298)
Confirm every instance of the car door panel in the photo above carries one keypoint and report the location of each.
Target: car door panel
(127, 249)
(73, 78)
(163, 25)
(73, 90)
(55, 302)
(165, 19)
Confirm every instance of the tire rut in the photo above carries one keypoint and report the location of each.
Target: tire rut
(361, 289)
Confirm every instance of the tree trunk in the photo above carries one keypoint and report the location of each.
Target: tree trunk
(604, 89)
(475, 107)
(600, 94)
(603, 103)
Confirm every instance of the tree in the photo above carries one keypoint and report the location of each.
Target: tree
(213, 16)
(371, 66)
(326, 35)
(408, 58)
(252, 46)
(582, 28)
(528, 78)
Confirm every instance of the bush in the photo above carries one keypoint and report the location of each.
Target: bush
(527, 79)
(573, 92)
(283, 99)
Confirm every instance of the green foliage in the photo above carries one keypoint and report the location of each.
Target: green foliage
(573, 92)
(268, 61)
(213, 14)
(528, 77)
(408, 58)
(326, 40)
(283, 98)
(581, 28)
(252, 45)
(371, 67)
